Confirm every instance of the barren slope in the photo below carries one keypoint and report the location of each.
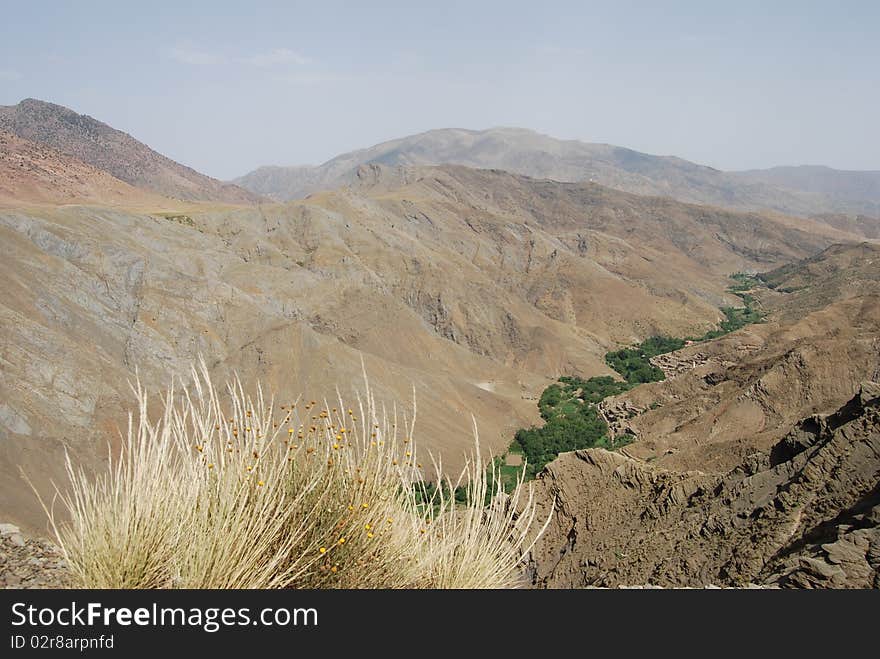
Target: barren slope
(114, 152)
(33, 173)
(804, 514)
(529, 153)
(474, 287)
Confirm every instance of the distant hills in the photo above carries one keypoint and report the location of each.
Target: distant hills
(840, 185)
(114, 152)
(521, 151)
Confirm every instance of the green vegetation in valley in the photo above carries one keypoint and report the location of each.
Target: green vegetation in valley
(569, 406)
(634, 364)
(571, 420)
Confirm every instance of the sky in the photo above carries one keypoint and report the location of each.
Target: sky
(226, 87)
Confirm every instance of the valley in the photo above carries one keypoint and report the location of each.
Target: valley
(665, 367)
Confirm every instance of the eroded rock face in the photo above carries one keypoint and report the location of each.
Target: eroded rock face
(806, 514)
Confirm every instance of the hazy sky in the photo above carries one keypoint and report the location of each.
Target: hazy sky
(225, 87)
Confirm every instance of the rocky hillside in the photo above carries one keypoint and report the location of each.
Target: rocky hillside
(34, 173)
(836, 273)
(114, 152)
(805, 513)
(489, 284)
(755, 461)
(525, 152)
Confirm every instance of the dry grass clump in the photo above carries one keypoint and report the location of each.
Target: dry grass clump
(235, 491)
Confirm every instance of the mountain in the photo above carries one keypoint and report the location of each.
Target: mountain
(841, 186)
(525, 152)
(34, 173)
(114, 152)
(474, 287)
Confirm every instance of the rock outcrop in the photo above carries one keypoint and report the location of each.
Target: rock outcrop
(805, 514)
(30, 563)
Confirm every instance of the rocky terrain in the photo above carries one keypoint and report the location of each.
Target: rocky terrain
(754, 462)
(726, 398)
(114, 152)
(525, 152)
(479, 276)
(33, 173)
(29, 562)
(837, 273)
(805, 513)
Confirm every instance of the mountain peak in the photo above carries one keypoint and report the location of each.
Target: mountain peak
(113, 151)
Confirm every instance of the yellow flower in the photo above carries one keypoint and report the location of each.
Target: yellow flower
(367, 526)
(322, 550)
(366, 505)
(260, 483)
(333, 569)
(369, 535)
(210, 465)
(341, 541)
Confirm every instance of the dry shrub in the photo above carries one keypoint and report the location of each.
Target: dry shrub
(234, 491)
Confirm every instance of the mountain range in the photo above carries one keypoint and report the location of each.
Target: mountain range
(472, 268)
(798, 190)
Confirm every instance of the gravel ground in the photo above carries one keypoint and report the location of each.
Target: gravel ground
(30, 563)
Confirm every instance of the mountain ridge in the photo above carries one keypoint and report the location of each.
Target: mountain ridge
(523, 151)
(113, 151)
